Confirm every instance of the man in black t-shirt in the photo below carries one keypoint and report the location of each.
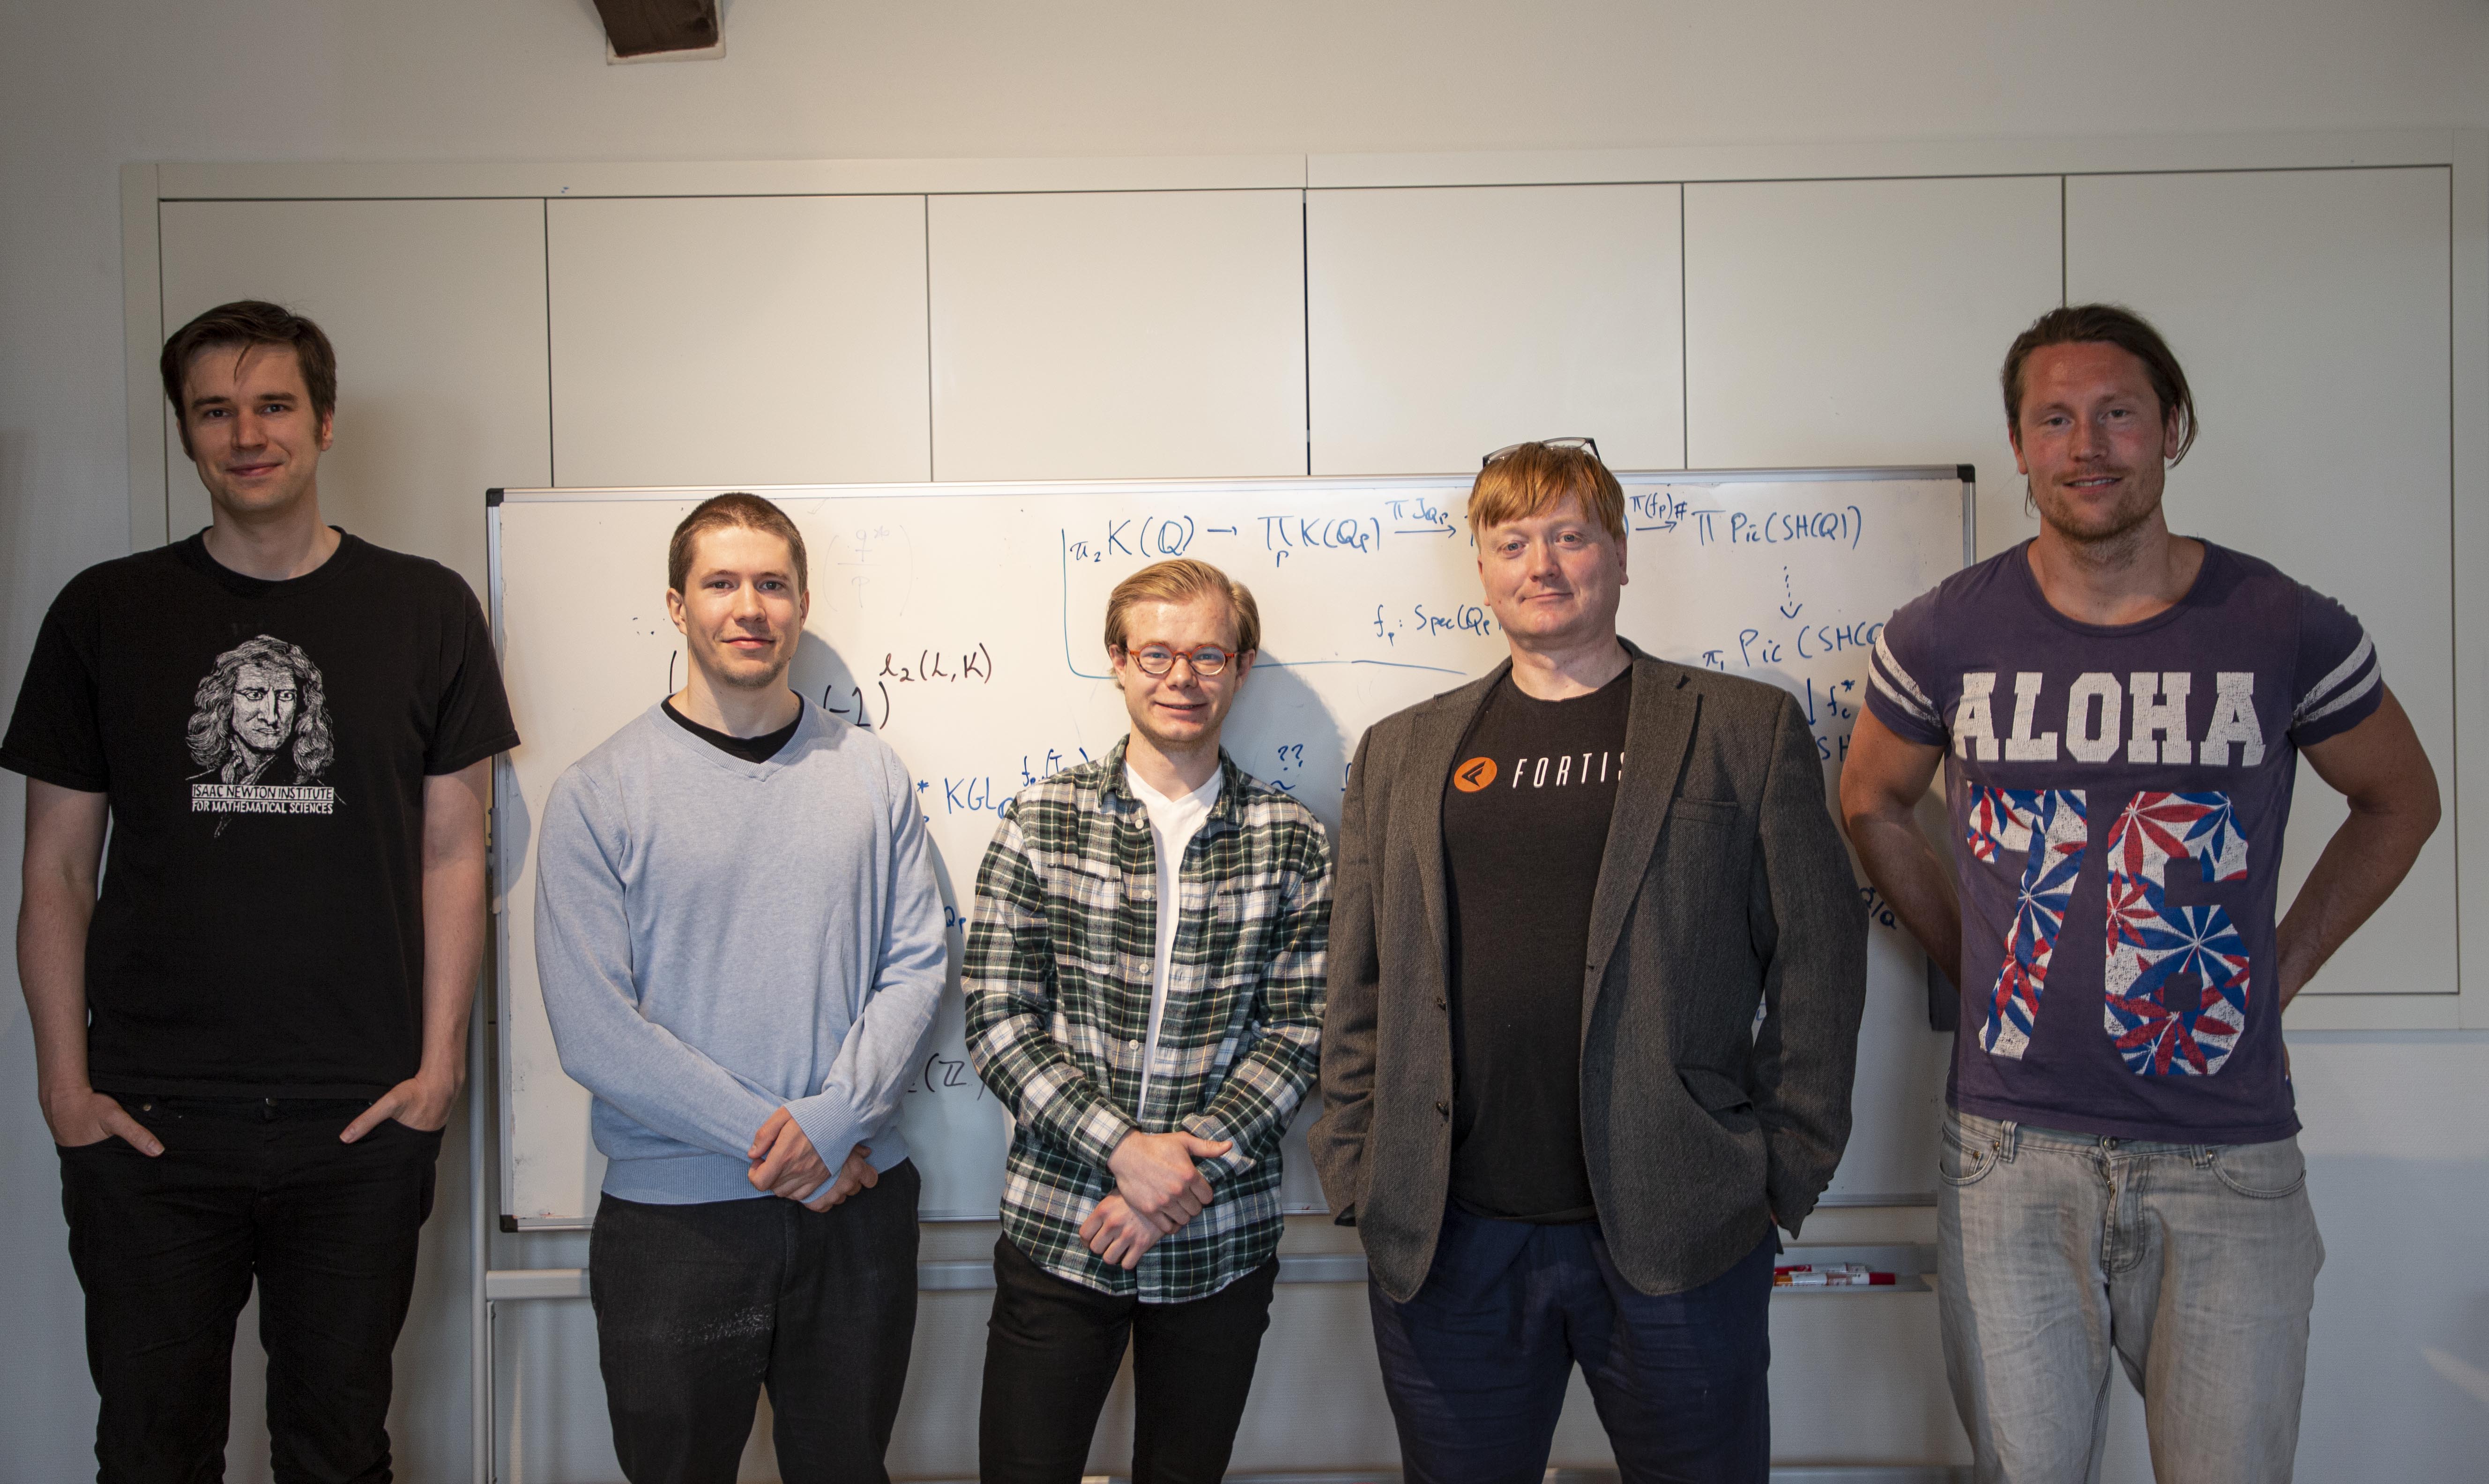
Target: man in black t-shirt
(1563, 893)
(248, 1038)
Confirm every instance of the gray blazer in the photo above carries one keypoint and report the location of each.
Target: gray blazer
(1724, 883)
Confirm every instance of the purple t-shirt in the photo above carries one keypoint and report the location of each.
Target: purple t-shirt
(2118, 796)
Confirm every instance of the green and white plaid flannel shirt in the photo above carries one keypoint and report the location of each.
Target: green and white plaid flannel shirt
(1060, 953)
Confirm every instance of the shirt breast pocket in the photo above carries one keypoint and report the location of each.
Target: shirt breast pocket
(1088, 899)
(1243, 915)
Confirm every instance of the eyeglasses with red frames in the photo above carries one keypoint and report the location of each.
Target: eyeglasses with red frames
(1157, 660)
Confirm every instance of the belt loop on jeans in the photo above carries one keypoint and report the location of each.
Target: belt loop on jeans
(2202, 1155)
(2008, 1134)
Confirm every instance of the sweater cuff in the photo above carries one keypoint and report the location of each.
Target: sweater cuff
(831, 1125)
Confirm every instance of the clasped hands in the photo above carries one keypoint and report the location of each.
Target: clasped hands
(784, 1162)
(1157, 1189)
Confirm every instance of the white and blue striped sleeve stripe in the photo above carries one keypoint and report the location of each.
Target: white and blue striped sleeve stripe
(1900, 692)
(2348, 684)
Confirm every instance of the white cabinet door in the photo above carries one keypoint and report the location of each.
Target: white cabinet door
(1448, 323)
(738, 340)
(2311, 312)
(436, 311)
(1111, 334)
(1863, 322)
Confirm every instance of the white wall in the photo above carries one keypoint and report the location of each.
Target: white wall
(2399, 1378)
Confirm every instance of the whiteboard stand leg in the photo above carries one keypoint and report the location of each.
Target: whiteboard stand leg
(479, 1308)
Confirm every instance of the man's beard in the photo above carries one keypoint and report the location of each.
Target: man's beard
(2104, 541)
(743, 679)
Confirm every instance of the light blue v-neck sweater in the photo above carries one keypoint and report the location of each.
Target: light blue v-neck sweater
(717, 938)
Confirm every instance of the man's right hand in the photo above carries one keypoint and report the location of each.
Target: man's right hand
(855, 1174)
(783, 1162)
(1119, 1234)
(89, 1117)
(1156, 1175)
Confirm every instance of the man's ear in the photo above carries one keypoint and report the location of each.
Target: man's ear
(674, 611)
(327, 429)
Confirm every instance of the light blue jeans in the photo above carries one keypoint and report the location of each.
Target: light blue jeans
(2193, 1264)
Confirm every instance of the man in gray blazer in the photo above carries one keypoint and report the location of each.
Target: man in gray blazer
(1551, 1164)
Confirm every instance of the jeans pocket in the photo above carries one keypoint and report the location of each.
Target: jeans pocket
(2264, 1172)
(1961, 1164)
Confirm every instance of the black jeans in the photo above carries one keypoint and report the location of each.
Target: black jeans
(699, 1307)
(167, 1249)
(1053, 1349)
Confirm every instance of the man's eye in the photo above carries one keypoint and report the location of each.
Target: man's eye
(285, 694)
(253, 692)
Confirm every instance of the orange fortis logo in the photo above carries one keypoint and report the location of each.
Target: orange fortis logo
(1474, 775)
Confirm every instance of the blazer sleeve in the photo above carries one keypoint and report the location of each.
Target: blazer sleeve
(1354, 978)
(1809, 927)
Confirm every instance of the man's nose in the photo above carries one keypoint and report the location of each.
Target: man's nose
(2091, 439)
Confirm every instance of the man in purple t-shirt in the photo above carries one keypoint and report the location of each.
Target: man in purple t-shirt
(2120, 713)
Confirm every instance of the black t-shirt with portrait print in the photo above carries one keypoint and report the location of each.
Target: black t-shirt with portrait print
(263, 745)
(1526, 816)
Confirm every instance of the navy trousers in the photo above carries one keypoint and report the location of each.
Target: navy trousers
(1477, 1363)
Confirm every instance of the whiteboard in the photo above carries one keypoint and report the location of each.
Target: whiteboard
(965, 622)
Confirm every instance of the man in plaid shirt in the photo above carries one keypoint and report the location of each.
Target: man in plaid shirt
(1151, 1060)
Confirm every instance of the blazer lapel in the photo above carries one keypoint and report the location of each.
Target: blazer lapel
(1659, 727)
(1433, 749)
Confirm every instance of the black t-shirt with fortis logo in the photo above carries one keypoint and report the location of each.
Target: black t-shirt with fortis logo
(1526, 816)
(263, 746)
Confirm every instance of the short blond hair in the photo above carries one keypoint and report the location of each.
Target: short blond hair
(1535, 478)
(1181, 581)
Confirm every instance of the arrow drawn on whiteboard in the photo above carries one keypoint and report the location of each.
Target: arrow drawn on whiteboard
(1792, 607)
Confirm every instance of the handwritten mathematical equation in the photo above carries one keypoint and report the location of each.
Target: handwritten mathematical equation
(977, 664)
(1418, 516)
(1656, 510)
(1151, 538)
(979, 793)
(1797, 641)
(1417, 622)
(1843, 526)
(1285, 535)
(950, 1075)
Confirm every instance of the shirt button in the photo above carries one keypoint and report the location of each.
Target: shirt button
(1135, 1044)
(1444, 1108)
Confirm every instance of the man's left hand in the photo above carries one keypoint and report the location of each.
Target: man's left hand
(420, 1102)
(1119, 1234)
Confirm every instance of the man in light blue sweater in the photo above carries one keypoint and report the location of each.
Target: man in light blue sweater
(741, 946)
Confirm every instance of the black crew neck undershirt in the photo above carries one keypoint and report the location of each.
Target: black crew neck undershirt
(759, 748)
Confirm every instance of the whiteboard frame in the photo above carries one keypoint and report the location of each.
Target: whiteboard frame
(504, 871)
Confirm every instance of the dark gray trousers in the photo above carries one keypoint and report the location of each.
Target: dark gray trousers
(699, 1307)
